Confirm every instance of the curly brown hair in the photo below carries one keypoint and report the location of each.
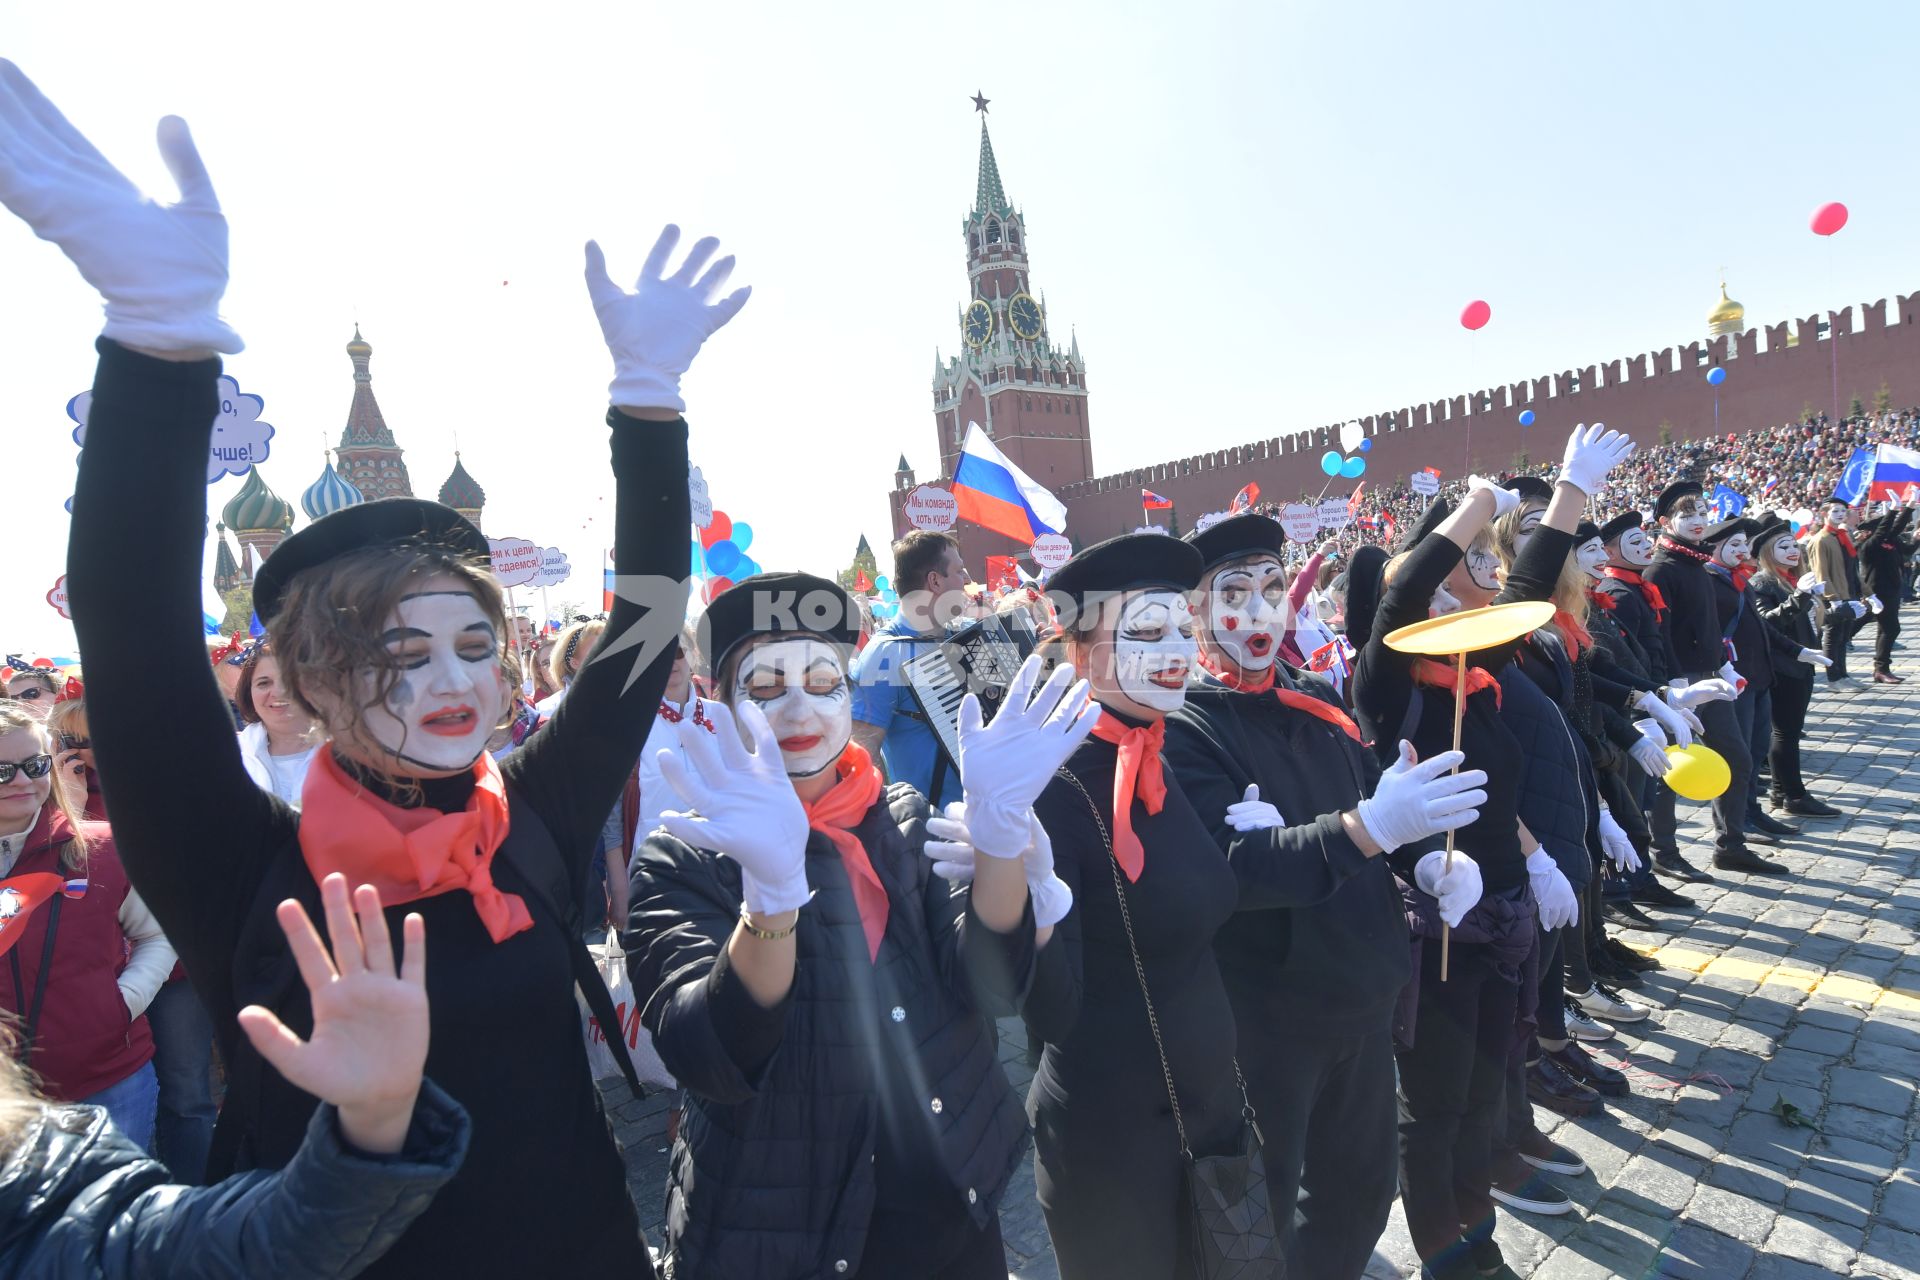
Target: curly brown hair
(327, 631)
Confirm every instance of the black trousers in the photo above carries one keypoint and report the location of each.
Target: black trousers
(1790, 699)
(1723, 733)
(1326, 1108)
(1835, 633)
(1451, 1086)
(1889, 624)
(1663, 824)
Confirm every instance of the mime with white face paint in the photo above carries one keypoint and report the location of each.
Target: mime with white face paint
(814, 980)
(1794, 603)
(1275, 767)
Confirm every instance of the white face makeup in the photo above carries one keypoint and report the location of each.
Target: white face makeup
(1690, 519)
(1246, 611)
(1154, 648)
(1483, 566)
(451, 691)
(1530, 517)
(1591, 556)
(1636, 548)
(1836, 517)
(801, 686)
(1733, 552)
(1786, 550)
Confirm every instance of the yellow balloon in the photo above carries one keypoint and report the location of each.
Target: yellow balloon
(1699, 772)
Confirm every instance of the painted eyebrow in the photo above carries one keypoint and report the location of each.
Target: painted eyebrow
(403, 633)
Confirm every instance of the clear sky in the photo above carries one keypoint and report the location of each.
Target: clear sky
(1259, 217)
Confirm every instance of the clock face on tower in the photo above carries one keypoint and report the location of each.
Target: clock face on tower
(1024, 313)
(978, 326)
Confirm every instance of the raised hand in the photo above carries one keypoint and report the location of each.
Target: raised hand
(1504, 500)
(952, 853)
(162, 269)
(1251, 813)
(1414, 801)
(1005, 765)
(655, 331)
(1458, 891)
(369, 1041)
(742, 804)
(1591, 453)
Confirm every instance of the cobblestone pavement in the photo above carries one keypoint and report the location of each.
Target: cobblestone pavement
(1803, 988)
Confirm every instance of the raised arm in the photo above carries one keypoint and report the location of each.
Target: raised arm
(574, 769)
(161, 270)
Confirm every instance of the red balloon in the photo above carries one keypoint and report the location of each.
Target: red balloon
(1828, 218)
(719, 531)
(714, 587)
(1475, 315)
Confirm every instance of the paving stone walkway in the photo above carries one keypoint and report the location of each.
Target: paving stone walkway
(1803, 988)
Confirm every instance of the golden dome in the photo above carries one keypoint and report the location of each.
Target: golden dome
(1727, 317)
(359, 348)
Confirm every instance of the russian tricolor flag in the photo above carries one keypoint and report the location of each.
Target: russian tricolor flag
(993, 493)
(1894, 469)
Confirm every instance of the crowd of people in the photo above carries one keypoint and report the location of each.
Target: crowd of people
(1297, 922)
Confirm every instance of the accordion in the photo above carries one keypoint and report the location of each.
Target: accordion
(980, 658)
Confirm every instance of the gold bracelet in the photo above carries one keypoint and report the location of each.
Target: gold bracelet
(767, 935)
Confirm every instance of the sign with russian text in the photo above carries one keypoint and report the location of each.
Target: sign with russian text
(932, 508)
(1333, 514)
(1051, 550)
(240, 440)
(1300, 520)
(516, 562)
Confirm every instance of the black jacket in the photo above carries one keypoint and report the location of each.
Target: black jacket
(1884, 549)
(873, 1085)
(1334, 960)
(1758, 648)
(1693, 623)
(77, 1199)
(1789, 611)
(1636, 617)
(1556, 795)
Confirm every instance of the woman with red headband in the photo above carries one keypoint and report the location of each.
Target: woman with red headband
(390, 629)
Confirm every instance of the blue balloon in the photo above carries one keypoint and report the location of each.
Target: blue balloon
(724, 558)
(1366, 446)
(1353, 468)
(1716, 376)
(742, 535)
(748, 566)
(1330, 463)
(1526, 417)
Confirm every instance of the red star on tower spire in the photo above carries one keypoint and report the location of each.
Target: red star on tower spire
(980, 103)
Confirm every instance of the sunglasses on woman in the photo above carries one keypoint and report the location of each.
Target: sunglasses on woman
(31, 693)
(32, 766)
(69, 742)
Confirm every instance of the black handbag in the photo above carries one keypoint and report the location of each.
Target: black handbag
(1231, 1233)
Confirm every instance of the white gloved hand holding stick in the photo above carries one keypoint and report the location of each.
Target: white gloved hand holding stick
(1458, 890)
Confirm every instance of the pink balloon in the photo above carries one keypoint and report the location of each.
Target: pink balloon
(1828, 218)
(1475, 315)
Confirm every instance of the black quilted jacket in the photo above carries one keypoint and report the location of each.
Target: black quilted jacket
(879, 1079)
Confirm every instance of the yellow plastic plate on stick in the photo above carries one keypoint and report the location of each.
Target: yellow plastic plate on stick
(1473, 629)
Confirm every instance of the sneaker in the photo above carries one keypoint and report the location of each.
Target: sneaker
(1545, 1154)
(1627, 958)
(1808, 807)
(1555, 1090)
(1602, 1001)
(1535, 1194)
(1578, 1063)
(1584, 1026)
(1675, 867)
(1749, 861)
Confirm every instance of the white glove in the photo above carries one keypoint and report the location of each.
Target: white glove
(1687, 697)
(1005, 765)
(1813, 586)
(1458, 890)
(162, 269)
(1615, 844)
(1649, 754)
(1251, 813)
(1677, 723)
(1553, 896)
(741, 804)
(1591, 453)
(1504, 500)
(1859, 608)
(1815, 658)
(1732, 677)
(1873, 603)
(1414, 801)
(953, 854)
(655, 331)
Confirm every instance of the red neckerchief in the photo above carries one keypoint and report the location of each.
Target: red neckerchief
(1137, 772)
(1846, 540)
(1288, 698)
(1440, 675)
(1578, 638)
(1744, 574)
(1648, 592)
(1601, 600)
(835, 815)
(410, 854)
(1692, 553)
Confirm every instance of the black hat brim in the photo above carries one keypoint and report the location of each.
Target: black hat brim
(385, 522)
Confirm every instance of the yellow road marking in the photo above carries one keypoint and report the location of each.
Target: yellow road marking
(1817, 982)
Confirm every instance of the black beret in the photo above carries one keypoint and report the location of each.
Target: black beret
(1130, 562)
(1673, 493)
(1530, 488)
(396, 522)
(1777, 529)
(778, 604)
(1363, 592)
(1612, 529)
(1586, 531)
(1727, 528)
(1437, 510)
(1238, 538)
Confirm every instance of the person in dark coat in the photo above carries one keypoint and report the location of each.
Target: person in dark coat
(816, 989)
(1885, 547)
(1793, 603)
(390, 630)
(78, 1199)
(1269, 759)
